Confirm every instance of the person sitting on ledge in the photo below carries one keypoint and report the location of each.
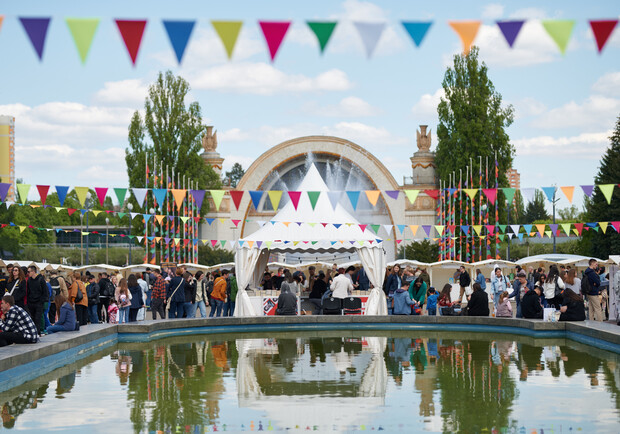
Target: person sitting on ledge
(17, 326)
(287, 301)
(572, 307)
(530, 305)
(66, 316)
(402, 300)
(478, 303)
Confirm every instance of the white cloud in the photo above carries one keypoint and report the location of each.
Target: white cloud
(230, 160)
(585, 146)
(528, 106)
(364, 135)
(493, 11)
(351, 107)
(608, 84)
(265, 79)
(594, 113)
(125, 93)
(233, 135)
(426, 107)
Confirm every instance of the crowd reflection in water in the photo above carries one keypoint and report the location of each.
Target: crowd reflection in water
(182, 382)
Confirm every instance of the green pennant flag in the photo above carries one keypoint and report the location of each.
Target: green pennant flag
(323, 31)
(22, 190)
(509, 193)
(223, 243)
(120, 194)
(83, 31)
(375, 229)
(314, 197)
(502, 228)
(412, 195)
(560, 31)
(501, 237)
(217, 196)
(228, 31)
(81, 194)
(121, 214)
(607, 189)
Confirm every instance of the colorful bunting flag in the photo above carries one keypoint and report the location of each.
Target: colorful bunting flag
(528, 194)
(412, 195)
(432, 193)
(140, 195)
(413, 229)
(471, 192)
(549, 192)
(579, 228)
(373, 196)
(274, 32)
(36, 29)
(559, 31)
(294, 196)
(510, 30)
(131, 31)
(314, 197)
(120, 195)
(22, 191)
(427, 230)
(587, 189)
(509, 192)
(256, 196)
(417, 30)
(393, 194)
(179, 33)
(491, 194)
(334, 198)
(81, 193)
(83, 32)
(4, 190)
(568, 192)
(323, 31)
(467, 31)
(160, 195)
(178, 194)
(602, 30)
(275, 196)
(616, 226)
(236, 197)
(607, 190)
(101, 193)
(217, 196)
(370, 33)
(228, 31)
(603, 226)
(43, 189)
(566, 228)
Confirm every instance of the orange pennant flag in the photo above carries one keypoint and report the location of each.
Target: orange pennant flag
(159, 218)
(467, 31)
(373, 196)
(541, 229)
(414, 229)
(568, 192)
(179, 196)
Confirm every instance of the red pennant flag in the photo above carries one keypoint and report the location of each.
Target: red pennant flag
(399, 241)
(101, 192)
(197, 219)
(490, 229)
(490, 193)
(363, 227)
(579, 227)
(71, 210)
(185, 242)
(274, 33)
(432, 193)
(43, 189)
(213, 242)
(616, 226)
(236, 222)
(132, 31)
(236, 197)
(602, 30)
(452, 229)
(294, 195)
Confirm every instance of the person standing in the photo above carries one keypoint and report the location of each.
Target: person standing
(158, 296)
(519, 288)
(37, 296)
(81, 304)
(219, 292)
(137, 302)
(553, 288)
(93, 290)
(106, 292)
(175, 295)
(594, 296)
(464, 281)
(201, 294)
(189, 307)
(17, 287)
(480, 279)
(123, 298)
(342, 285)
(499, 284)
(144, 286)
(17, 327)
(319, 286)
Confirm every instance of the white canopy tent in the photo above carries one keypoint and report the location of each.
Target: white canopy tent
(307, 229)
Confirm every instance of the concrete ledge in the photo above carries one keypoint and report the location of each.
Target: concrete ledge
(21, 363)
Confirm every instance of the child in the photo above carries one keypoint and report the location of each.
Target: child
(504, 308)
(113, 312)
(431, 302)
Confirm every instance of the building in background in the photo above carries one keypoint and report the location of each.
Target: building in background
(7, 153)
(514, 178)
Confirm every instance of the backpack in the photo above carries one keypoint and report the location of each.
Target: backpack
(78, 296)
(586, 287)
(55, 286)
(107, 290)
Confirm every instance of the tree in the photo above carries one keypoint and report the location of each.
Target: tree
(472, 121)
(212, 256)
(570, 214)
(170, 134)
(423, 251)
(235, 174)
(597, 209)
(536, 210)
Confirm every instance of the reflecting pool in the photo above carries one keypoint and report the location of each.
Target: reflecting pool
(335, 382)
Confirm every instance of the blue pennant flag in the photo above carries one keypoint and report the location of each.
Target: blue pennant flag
(465, 229)
(256, 197)
(179, 33)
(528, 229)
(549, 192)
(353, 197)
(62, 193)
(160, 195)
(417, 30)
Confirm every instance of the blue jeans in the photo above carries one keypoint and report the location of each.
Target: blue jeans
(219, 304)
(148, 298)
(92, 313)
(213, 306)
(46, 315)
(56, 328)
(431, 311)
(203, 308)
(190, 309)
(229, 308)
(176, 309)
(123, 314)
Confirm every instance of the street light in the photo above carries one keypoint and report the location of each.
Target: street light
(152, 212)
(107, 224)
(129, 207)
(88, 203)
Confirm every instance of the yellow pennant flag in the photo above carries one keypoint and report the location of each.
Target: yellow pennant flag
(222, 220)
(217, 196)
(274, 197)
(603, 226)
(414, 228)
(81, 194)
(471, 192)
(22, 229)
(373, 196)
(608, 190)
(576, 231)
(412, 195)
(179, 196)
(286, 223)
(478, 229)
(568, 192)
(439, 229)
(96, 212)
(566, 227)
(548, 234)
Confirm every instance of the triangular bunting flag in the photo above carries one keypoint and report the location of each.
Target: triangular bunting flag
(274, 32)
(520, 236)
(471, 192)
(490, 193)
(4, 190)
(549, 192)
(427, 230)
(179, 196)
(578, 227)
(566, 228)
(373, 196)
(160, 195)
(568, 192)
(414, 229)
(467, 31)
(607, 190)
(83, 31)
(388, 228)
(393, 194)
(502, 228)
(439, 229)
(560, 31)
(616, 226)
(510, 30)
(22, 190)
(515, 228)
(528, 229)
(217, 196)
(602, 30)
(323, 31)
(236, 197)
(401, 228)
(465, 229)
(353, 197)
(36, 29)
(120, 195)
(553, 227)
(159, 218)
(490, 229)
(334, 198)
(432, 193)
(294, 195)
(528, 194)
(179, 33)
(139, 194)
(412, 195)
(417, 30)
(131, 31)
(587, 190)
(275, 196)
(314, 197)
(43, 189)
(603, 226)
(81, 193)
(101, 193)
(509, 193)
(147, 217)
(478, 229)
(375, 228)
(370, 33)
(228, 31)
(363, 227)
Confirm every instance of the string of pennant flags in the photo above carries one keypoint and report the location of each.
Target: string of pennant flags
(179, 32)
(179, 196)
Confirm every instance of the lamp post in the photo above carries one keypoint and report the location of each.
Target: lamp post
(152, 212)
(81, 239)
(88, 203)
(554, 201)
(107, 224)
(129, 207)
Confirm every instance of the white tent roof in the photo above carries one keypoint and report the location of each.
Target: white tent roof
(556, 258)
(312, 230)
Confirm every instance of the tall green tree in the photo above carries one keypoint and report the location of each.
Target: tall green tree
(170, 133)
(597, 209)
(536, 209)
(423, 251)
(235, 174)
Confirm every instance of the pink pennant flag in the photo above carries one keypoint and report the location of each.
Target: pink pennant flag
(274, 32)
(236, 222)
(616, 226)
(490, 193)
(213, 242)
(363, 227)
(101, 192)
(490, 229)
(43, 189)
(294, 195)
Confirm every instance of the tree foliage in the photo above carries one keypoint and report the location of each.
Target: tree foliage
(212, 256)
(536, 210)
(235, 174)
(423, 251)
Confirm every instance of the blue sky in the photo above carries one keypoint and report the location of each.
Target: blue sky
(71, 120)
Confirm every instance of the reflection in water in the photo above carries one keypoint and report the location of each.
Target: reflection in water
(332, 383)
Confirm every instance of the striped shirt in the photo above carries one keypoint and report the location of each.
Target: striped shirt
(17, 320)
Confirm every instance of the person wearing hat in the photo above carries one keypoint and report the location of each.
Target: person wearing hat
(519, 289)
(530, 305)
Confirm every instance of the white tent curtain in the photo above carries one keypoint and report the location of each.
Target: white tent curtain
(373, 260)
(374, 382)
(247, 383)
(262, 262)
(245, 264)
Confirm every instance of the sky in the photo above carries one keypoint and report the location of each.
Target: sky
(72, 119)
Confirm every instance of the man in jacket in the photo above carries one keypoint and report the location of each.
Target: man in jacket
(530, 305)
(93, 291)
(106, 290)
(594, 295)
(158, 296)
(17, 327)
(464, 281)
(37, 296)
(519, 287)
(219, 292)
